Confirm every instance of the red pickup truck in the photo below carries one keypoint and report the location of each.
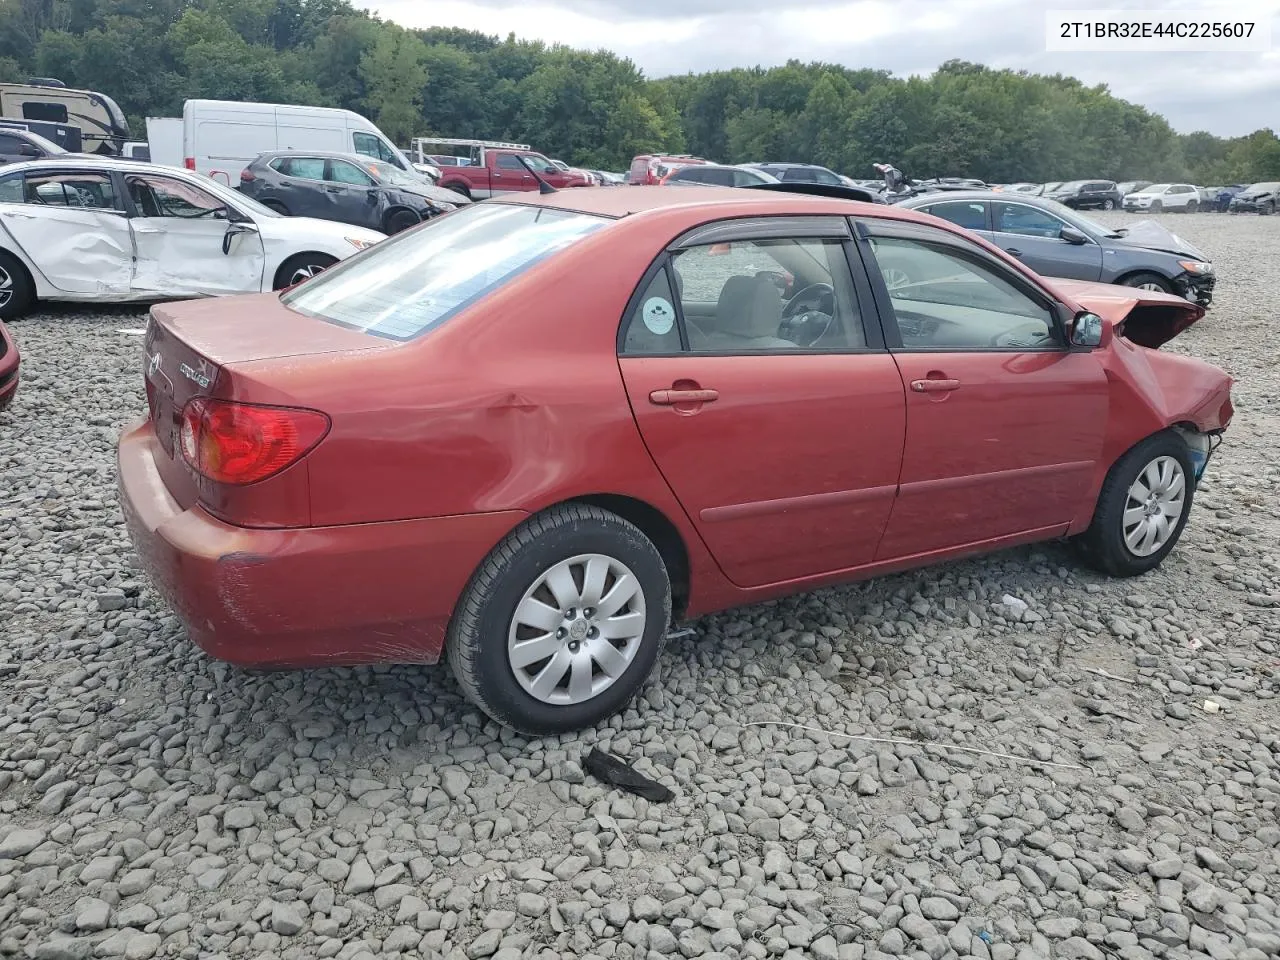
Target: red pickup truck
(493, 167)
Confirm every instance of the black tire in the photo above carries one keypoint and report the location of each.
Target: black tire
(477, 641)
(17, 292)
(1103, 544)
(461, 188)
(399, 220)
(309, 263)
(1156, 206)
(1108, 204)
(1138, 279)
(277, 206)
(1192, 206)
(1269, 209)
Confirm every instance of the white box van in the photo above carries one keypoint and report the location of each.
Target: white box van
(221, 137)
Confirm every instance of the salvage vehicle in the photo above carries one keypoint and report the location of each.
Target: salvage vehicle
(107, 230)
(1083, 194)
(344, 187)
(498, 167)
(721, 174)
(650, 169)
(1057, 241)
(1259, 198)
(102, 124)
(801, 173)
(18, 145)
(221, 137)
(528, 435)
(9, 356)
(1155, 197)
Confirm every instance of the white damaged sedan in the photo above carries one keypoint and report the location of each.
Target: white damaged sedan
(111, 231)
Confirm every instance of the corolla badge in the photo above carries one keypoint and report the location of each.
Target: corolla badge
(199, 377)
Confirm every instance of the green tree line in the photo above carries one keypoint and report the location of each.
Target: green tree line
(596, 109)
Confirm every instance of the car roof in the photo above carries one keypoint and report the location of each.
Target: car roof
(948, 195)
(319, 154)
(92, 161)
(715, 201)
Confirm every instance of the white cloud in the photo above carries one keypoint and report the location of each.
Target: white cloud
(1227, 94)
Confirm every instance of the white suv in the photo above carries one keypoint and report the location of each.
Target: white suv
(1182, 197)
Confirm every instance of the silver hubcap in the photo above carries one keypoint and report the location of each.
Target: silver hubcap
(577, 629)
(6, 287)
(305, 272)
(1155, 504)
(894, 278)
(1151, 286)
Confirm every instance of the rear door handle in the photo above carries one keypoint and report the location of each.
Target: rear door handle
(667, 398)
(934, 386)
(333, 189)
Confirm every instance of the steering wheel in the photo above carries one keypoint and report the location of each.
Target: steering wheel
(814, 304)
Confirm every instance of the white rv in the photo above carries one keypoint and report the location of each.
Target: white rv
(221, 137)
(102, 124)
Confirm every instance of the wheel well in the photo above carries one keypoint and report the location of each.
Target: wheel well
(276, 282)
(1134, 273)
(459, 187)
(654, 524)
(386, 217)
(21, 266)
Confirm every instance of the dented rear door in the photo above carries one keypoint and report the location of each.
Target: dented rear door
(72, 227)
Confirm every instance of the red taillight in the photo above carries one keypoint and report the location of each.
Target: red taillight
(240, 443)
(246, 175)
(189, 162)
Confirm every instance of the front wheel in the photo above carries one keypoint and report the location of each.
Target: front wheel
(1269, 209)
(1156, 206)
(1108, 204)
(1192, 207)
(302, 266)
(401, 220)
(16, 291)
(1148, 281)
(562, 623)
(1142, 509)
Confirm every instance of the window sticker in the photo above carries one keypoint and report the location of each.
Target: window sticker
(658, 315)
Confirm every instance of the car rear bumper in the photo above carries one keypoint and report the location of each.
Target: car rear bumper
(314, 596)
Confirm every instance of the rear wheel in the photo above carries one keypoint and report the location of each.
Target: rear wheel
(1142, 509)
(1148, 281)
(17, 294)
(401, 220)
(1192, 206)
(1156, 206)
(563, 621)
(301, 267)
(1269, 209)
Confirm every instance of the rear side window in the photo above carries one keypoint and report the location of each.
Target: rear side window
(11, 190)
(963, 213)
(419, 279)
(304, 168)
(90, 191)
(508, 161)
(652, 328)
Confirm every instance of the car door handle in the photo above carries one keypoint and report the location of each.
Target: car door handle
(332, 189)
(667, 398)
(1014, 251)
(934, 386)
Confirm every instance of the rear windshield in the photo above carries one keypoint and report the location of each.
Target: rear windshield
(417, 280)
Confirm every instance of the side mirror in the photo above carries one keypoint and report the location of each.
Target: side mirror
(1073, 236)
(28, 150)
(371, 195)
(234, 229)
(1086, 330)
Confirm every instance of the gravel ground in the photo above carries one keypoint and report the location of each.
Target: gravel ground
(156, 803)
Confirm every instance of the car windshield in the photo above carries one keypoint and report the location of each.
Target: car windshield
(419, 279)
(393, 175)
(1155, 188)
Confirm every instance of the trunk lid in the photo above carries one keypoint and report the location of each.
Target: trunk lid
(1146, 317)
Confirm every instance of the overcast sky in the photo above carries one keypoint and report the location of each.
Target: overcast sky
(1226, 93)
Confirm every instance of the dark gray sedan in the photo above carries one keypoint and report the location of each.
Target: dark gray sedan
(1057, 241)
(349, 188)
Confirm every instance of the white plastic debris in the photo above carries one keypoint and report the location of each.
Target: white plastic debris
(1195, 643)
(1014, 604)
(1211, 706)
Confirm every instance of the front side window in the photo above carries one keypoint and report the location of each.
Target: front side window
(340, 171)
(371, 146)
(970, 214)
(162, 197)
(768, 296)
(944, 300)
(304, 168)
(91, 191)
(419, 279)
(1026, 221)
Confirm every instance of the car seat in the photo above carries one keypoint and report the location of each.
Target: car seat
(747, 316)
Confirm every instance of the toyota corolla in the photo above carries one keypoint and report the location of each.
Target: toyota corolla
(530, 434)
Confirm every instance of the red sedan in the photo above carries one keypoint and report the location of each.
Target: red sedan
(9, 359)
(532, 432)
